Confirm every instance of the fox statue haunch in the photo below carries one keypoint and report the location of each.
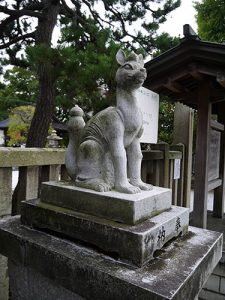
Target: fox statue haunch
(105, 153)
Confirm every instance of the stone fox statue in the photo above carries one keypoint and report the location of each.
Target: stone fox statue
(105, 153)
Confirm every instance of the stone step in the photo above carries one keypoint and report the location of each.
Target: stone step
(133, 244)
(124, 208)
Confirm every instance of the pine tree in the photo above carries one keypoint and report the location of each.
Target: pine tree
(210, 20)
(18, 30)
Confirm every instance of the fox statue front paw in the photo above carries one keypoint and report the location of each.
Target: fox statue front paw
(141, 185)
(127, 188)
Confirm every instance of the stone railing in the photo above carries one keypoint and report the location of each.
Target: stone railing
(28, 161)
(157, 168)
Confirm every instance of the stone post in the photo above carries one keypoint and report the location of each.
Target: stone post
(183, 133)
(5, 209)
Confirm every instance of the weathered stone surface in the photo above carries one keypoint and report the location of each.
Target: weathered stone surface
(4, 279)
(32, 174)
(27, 284)
(5, 191)
(177, 273)
(11, 157)
(125, 208)
(105, 153)
(133, 244)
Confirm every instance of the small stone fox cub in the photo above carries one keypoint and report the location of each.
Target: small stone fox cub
(105, 153)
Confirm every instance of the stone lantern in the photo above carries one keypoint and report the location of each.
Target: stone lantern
(54, 140)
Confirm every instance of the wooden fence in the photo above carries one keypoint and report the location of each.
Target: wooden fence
(158, 168)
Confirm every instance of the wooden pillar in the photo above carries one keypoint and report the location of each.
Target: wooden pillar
(178, 184)
(202, 149)
(144, 170)
(164, 176)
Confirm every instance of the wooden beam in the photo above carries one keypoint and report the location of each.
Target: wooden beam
(220, 78)
(175, 86)
(210, 70)
(214, 184)
(194, 71)
(158, 83)
(216, 125)
(202, 149)
(187, 98)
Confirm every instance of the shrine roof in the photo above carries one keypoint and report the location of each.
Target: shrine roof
(178, 71)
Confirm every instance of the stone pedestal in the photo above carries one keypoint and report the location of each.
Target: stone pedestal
(133, 244)
(131, 226)
(46, 267)
(79, 244)
(120, 207)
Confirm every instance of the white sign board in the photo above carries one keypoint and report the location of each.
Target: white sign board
(176, 171)
(149, 104)
(2, 138)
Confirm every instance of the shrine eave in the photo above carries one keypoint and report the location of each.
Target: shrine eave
(178, 71)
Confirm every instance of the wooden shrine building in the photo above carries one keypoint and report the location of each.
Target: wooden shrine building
(193, 73)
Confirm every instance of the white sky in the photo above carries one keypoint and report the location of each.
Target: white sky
(185, 14)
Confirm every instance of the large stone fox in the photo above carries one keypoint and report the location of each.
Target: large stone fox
(105, 153)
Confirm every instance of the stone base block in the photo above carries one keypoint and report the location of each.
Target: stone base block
(124, 208)
(4, 279)
(177, 273)
(134, 244)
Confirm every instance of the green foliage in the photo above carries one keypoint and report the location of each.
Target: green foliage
(165, 42)
(44, 56)
(210, 20)
(88, 77)
(166, 121)
(81, 66)
(19, 123)
(20, 87)
(84, 76)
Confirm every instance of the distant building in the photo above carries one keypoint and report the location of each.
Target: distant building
(61, 129)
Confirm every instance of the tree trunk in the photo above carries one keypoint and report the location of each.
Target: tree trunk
(46, 101)
(45, 105)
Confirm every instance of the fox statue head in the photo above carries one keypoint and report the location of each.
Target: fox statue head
(131, 74)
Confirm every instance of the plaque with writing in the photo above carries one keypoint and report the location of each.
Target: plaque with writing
(149, 104)
(214, 155)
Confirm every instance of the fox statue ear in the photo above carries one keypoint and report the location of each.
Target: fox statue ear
(140, 60)
(120, 57)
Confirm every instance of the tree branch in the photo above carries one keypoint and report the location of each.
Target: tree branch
(17, 39)
(6, 22)
(94, 14)
(34, 6)
(72, 13)
(116, 13)
(20, 13)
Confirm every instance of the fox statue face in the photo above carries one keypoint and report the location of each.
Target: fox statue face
(131, 73)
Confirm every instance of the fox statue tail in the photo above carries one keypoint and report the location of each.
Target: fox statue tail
(75, 127)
